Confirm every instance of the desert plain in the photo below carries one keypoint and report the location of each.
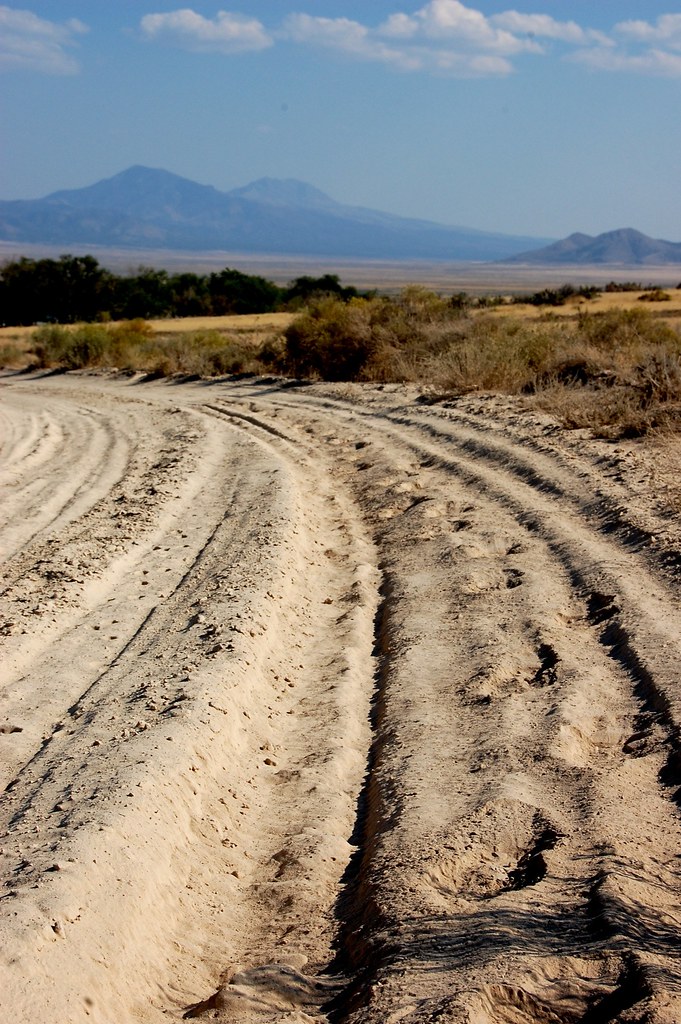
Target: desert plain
(334, 703)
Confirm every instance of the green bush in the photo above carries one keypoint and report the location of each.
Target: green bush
(461, 301)
(558, 296)
(333, 340)
(623, 286)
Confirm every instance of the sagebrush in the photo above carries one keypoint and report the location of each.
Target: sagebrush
(617, 372)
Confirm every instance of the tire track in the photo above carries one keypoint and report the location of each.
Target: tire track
(63, 590)
(234, 714)
(477, 821)
(93, 456)
(585, 748)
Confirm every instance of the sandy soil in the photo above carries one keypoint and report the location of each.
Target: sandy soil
(332, 704)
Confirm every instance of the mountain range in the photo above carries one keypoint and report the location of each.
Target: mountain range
(624, 246)
(154, 209)
(145, 208)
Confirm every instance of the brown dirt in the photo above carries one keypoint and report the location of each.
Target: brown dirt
(327, 704)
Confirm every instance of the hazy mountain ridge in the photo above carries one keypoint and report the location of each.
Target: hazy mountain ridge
(624, 246)
(143, 207)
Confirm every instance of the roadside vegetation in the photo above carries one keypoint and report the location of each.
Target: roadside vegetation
(616, 372)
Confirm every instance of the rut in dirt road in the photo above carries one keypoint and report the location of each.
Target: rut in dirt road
(387, 728)
(521, 840)
(192, 729)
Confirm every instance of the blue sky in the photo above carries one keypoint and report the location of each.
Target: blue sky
(539, 118)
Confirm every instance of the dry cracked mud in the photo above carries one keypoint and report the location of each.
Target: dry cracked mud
(334, 704)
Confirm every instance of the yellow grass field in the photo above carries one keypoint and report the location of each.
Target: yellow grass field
(253, 323)
(606, 301)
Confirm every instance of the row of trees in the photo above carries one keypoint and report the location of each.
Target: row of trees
(76, 288)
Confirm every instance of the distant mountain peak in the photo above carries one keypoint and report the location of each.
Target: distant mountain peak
(285, 191)
(135, 188)
(140, 172)
(131, 177)
(623, 246)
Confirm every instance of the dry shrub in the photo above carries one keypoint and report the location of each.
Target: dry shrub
(624, 330)
(196, 353)
(614, 413)
(272, 353)
(497, 355)
(639, 397)
(133, 345)
(660, 375)
(12, 355)
(88, 344)
(70, 349)
(618, 373)
(373, 339)
(125, 339)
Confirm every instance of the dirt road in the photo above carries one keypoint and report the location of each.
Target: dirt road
(332, 704)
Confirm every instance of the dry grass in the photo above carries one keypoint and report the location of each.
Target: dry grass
(133, 345)
(617, 372)
(16, 343)
(15, 346)
(13, 354)
(603, 303)
(254, 324)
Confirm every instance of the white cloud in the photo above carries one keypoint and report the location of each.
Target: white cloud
(30, 43)
(539, 25)
(650, 62)
(472, 66)
(338, 33)
(443, 36)
(451, 25)
(467, 28)
(645, 48)
(226, 33)
(666, 30)
(543, 26)
(348, 37)
(401, 26)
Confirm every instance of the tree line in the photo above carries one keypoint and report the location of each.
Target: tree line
(72, 289)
